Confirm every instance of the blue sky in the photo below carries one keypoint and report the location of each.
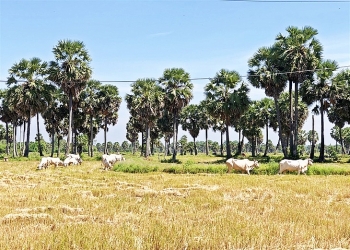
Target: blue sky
(128, 40)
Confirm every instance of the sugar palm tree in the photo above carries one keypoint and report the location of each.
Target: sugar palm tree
(265, 109)
(190, 119)
(5, 116)
(89, 103)
(70, 71)
(319, 91)
(301, 53)
(227, 99)
(109, 104)
(178, 93)
(146, 103)
(265, 72)
(32, 95)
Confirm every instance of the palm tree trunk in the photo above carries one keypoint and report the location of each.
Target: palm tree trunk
(175, 137)
(284, 148)
(341, 141)
(58, 146)
(267, 140)
(195, 146)
(148, 132)
(206, 142)
(228, 148)
(70, 106)
(221, 143)
(20, 136)
(23, 138)
(321, 158)
(253, 146)
(312, 153)
(39, 140)
(91, 138)
(14, 151)
(105, 137)
(26, 152)
(239, 148)
(296, 118)
(7, 139)
(52, 140)
(291, 136)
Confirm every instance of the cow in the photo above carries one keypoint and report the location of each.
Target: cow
(70, 161)
(75, 156)
(44, 163)
(243, 165)
(109, 160)
(294, 165)
(47, 161)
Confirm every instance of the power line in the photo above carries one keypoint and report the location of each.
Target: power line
(210, 78)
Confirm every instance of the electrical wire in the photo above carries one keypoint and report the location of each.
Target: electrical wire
(210, 78)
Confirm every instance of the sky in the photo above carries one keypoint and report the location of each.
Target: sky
(128, 40)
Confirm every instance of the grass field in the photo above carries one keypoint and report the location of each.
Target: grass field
(84, 207)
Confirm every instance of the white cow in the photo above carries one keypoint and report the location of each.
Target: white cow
(109, 160)
(294, 165)
(75, 156)
(70, 161)
(47, 161)
(243, 165)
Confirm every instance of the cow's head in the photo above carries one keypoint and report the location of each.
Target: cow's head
(309, 161)
(256, 164)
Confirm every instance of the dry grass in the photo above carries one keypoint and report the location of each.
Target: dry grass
(83, 207)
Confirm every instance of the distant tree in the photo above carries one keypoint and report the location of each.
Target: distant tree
(70, 71)
(178, 93)
(31, 97)
(301, 53)
(190, 118)
(225, 101)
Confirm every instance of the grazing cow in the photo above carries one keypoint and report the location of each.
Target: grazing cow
(47, 161)
(44, 163)
(294, 165)
(243, 165)
(70, 161)
(75, 156)
(109, 160)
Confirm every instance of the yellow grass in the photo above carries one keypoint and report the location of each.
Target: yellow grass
(83, 207)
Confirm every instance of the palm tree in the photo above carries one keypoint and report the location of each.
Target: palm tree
(132, 133)
(90, 106)
(301, 53)
(265, 72)
(319, 91)
(109, 103)
(146, 104)
(205, 122)
(225, 101)
(70, 72)
(178, 93)
(312, 137)
(265, 108)
(33, 95)
(190, 119)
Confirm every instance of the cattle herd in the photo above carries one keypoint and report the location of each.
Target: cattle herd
(242, 165)
(245, 165)
(75, 159)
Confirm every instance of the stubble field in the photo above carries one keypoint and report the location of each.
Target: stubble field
(84, 207)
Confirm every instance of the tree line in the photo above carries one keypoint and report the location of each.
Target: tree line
(72, 104)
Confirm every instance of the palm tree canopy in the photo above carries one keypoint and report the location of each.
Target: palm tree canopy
(177, 87)
(300, 51)
(266, 71)
(71, 70)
